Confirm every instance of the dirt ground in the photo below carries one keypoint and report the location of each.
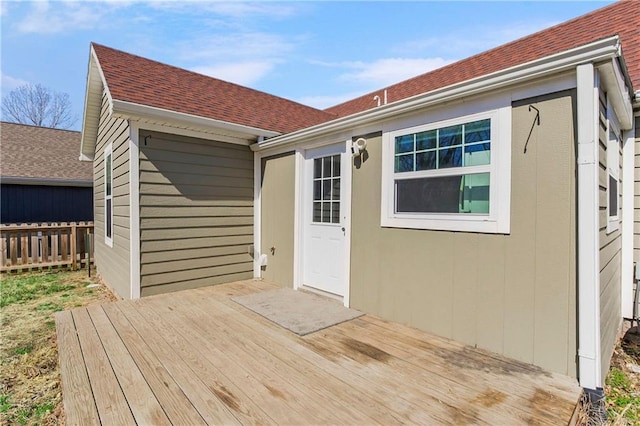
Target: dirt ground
(30, 391)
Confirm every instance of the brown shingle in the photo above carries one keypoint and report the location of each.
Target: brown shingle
(622, 18)
(41, 153)
(142, 81)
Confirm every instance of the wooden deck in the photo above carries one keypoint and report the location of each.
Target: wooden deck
(196, 357)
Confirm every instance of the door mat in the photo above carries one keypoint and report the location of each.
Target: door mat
(297, 311)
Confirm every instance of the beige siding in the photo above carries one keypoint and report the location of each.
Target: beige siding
(610, 253)
(113, 263)
(636, 196)
(511, 294)
(196, 212)
(277, 211)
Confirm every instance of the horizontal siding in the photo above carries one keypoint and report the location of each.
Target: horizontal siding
(610, 251)
(113, 262)
(196, 212)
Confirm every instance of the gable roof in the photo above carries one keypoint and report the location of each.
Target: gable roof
(42, 155)
(142, 81)
(620, 18)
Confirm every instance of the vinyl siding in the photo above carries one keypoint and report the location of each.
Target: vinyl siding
(636, 199)
(277, 221)
(511, 294)
(610, 251)
(196, 212)
(113, 263)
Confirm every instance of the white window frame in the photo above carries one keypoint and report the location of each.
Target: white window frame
(108, 233)
(613, 166)
(498, 219)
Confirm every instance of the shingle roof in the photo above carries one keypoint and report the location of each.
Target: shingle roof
(142, 81)
(622, 18)
(41, 153)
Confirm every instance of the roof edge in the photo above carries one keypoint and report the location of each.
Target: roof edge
(92, 106)
(598, 50)
(125, 109)
(17, 180)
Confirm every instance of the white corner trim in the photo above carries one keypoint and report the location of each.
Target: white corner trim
(298, 243)
(134, 210)
(346, 188)
(628, 172)
(257, 214)
(588, 238)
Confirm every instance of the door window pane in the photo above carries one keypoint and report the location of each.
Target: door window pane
(335, 212)
(326, 189)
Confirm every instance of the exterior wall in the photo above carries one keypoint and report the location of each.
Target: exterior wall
(636, 219)
(610, 253)
(511, 294)
(277, 218)
(43, 203)
(196, 212)
(113, 263)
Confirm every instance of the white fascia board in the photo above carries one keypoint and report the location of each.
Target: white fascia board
(593, 52)
(588, 237)
(618, 93)
(124, 109)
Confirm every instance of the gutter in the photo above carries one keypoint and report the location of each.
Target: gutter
(16, 180)
(606, 48)
(125, 109)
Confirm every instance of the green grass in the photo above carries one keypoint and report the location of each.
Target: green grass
(622, 391)
(30, 390)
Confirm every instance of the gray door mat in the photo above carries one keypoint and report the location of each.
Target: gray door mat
(297, 311)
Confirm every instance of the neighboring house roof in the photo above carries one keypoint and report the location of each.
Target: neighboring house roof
(41, 155)
(142, 81)
(622, 18)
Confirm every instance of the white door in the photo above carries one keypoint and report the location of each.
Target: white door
(324, 219)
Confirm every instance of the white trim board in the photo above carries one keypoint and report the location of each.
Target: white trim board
(134, 210)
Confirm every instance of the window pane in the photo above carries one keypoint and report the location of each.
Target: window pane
(336, 189)
(108, 174)
(326, 212)
(326, 189)
(477, 131)
(317, 187)
(108, 216)
(447, 194)
(451, 135)
(404, 163)
(451, 157)
(336, 165)
(477, 154)
(326, 167)
(317, 168)
(335, 212)
(317, 212)
(613, 196)
(404, 143)
(426, 140)
(426, 160)
(475, 194)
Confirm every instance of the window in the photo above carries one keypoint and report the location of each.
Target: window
(450, 175)
(108, 196)
(326, 189)
(613, 172)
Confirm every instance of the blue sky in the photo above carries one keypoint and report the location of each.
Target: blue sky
(317, 53)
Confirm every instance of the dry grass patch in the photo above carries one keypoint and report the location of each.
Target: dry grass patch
(30, 390)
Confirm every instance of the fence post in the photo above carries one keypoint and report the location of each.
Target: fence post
(74, 259)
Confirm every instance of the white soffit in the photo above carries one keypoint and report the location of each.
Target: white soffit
(618, 92)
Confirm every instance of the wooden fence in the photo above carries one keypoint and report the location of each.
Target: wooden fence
(45, 245)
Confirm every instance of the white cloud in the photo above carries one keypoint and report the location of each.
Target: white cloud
(325, 101)
(45, 18)
(235, 45)
(462, 44)
(386, 71)
(9, 83)
(243, 73)
(233, 9)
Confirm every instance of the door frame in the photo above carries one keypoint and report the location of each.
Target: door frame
(301, 209)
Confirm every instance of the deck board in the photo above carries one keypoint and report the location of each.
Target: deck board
(197, 357)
